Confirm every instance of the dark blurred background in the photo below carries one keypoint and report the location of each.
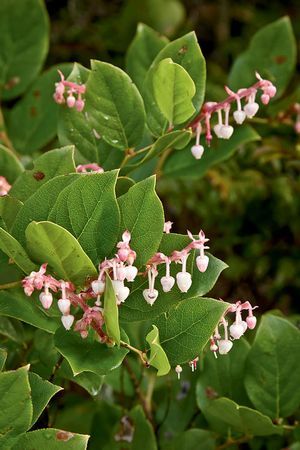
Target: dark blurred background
(249, 205)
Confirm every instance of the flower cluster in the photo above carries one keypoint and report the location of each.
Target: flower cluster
(223, 344)
(69, 92)
(183, 278)
(4, 186)
(223, 129)
(89, 168)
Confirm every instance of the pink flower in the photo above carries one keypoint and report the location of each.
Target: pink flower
(4, 186)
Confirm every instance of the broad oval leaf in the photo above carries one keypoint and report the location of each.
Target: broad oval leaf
(9, 208)
(173, 91)
(12, 248)
(146, 44)
(158, 357)
(190, 440)
(272, 378)
(48, 242)
(32, 122)
(185, 329)
(88, 209)
(111, 312)
(272, 52)
(49, 165)
(142, 214)
(52, 439)
(23, 48)
(88, 355)
(10, 166)
(120, 123)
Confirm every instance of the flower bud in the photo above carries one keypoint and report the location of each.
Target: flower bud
(131, 273)
(184, 281)
(251, 109)
(98, 287)
(239, 116)
(270, 91)
(225, 345)
(71, 100)
(59, 88)
(123, 293)
(150, 295)
(167, 283)
(251, 322)
(121, 273)
(79, 104)
(67, 321)
(202, 263)
(265, 98)
(178, 370)
(64, 305)
(197, 151)
(46, 299)
(58, 98)
(237, 330)
(213, 347)
(218, 130)
(226, 131)
(123, 254)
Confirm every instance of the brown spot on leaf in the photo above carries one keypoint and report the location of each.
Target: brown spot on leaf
(12, 83)
(64, 435)
(280, 59)
(38, 175)
(210, 393)
(37, 93)
(33, 111)
(183, 50)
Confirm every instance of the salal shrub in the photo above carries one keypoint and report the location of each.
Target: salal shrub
(97, 290)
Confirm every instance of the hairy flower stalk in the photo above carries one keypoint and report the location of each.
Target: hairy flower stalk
(225, 130)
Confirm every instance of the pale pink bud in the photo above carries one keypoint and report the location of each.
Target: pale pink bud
(46, 299)
(167, 226)
(251, 322)
(239, 116)
(270, 90)
(297, 127)
(58, 98)
(71, 100)
(237, 330)
(123, 254)
(213, 347)
(126, 236)
(59, 88)
(202, 263)
(178, 370)
(123, 293)
(79, 104)
(64, 305)
(265, 98)
(121, 273)
(67, 321)
(184, 281)
(84, 334)
(131, 273)
(197, 151)
(98, 287)
(251, 109)
(218, 130)
(167, 283)
(226, 131)
(150, 295)
(225, 345)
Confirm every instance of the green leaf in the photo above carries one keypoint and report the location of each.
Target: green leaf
(193, 439)
(146, 44)
(38, 207)
(185, 329)
(12, 248)
(91, 382)
(88, 355)
(272, 378)
(120, 123)
(16, 406)
(186, 52)
(158, 357)
(3, 356)
(142, 214)
(136, 309)
(123, 185)
(13, 330)
(52, 439)
(173, 91)
(272, 52)
(14, 303)
(242, 419)
(23, 44)
(11, 167)
(88, 208)
(183, 164)
(9, 208)
(111, 312)
(32, 122)
(48, 242)
(41, 393)
(143, 436)
(51, 164)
